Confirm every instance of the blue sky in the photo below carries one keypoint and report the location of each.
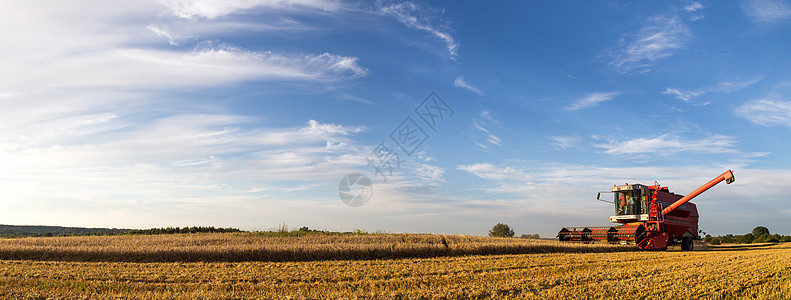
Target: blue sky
(250, 113)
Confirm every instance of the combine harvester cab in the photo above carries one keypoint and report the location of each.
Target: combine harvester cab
(651, 216)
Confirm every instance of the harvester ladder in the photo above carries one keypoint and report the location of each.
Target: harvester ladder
(659, 216)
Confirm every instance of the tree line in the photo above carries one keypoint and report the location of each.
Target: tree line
(193, 229)
(759, 234)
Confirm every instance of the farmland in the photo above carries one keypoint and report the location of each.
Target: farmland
(380, 266)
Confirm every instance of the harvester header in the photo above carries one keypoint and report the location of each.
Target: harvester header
(651, 216)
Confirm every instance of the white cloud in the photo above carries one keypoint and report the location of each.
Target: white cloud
(693, 7)
(206, 66)
(668, 144)
(494, 140)
(163, 32)
(721, 87)
(194, 9)
(592, 100)
(736, 85)
(429, 173)
(767, 11)
(682, 95)
(459, 82)
(479, 126)
(489, 171)
(766, 112)
(564, 142)
(661, 38)
(694, 11)
(422, 18)
(482, 137)
(103, 47)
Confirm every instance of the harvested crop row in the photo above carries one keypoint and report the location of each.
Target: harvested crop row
(234, 247)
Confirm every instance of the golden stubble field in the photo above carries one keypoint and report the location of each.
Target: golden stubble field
(548, 271)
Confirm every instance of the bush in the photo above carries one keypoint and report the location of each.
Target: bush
(785, 239)
(501, 230)
(530, 236)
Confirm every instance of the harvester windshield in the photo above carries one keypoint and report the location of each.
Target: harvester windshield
(628, 202)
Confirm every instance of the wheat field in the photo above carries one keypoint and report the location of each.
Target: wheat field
(236, 247)
(550, 271)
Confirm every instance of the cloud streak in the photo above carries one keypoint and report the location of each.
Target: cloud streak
(592, 100)
(196, 9)
(721, 87)
(460, 83)
(767, 11)
(422, 18)
(482, 136)
(668, 144)
(766, 112)
(660, 38)
(207, 65)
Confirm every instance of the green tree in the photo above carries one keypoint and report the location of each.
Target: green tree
(762, 239)
(785, 239)
(501, 230)
(760, 230)
(775, 238)
(746, 239)
(728, 239)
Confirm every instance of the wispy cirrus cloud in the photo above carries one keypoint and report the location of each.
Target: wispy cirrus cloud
(767, 11)
(660, 38)
(668, 144)
(194, 9)
(205, 66)
(693, 7)
(694, 11)
(766, 112)
(482, 136)
(77, 54)
(460, 83)
(592, 100)
(685, 96)
(564, 142)
(420, 17)
(728, 86)
(489, 171)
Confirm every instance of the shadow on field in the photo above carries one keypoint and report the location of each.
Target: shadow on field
(742, 247)
(249, 247)
(272, 255)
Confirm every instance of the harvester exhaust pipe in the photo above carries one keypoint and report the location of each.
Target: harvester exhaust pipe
(727, 177)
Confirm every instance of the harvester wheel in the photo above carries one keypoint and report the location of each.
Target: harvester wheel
(687, 244)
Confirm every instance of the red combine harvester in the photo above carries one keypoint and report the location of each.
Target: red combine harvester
(652, 217)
